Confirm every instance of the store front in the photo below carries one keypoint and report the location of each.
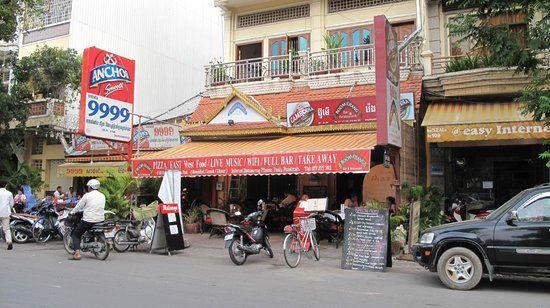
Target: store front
(81, 173)
(486, 152)
(245, 148)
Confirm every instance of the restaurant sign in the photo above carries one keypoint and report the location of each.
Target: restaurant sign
(357, 161)
(487, 131)
(335, 111)
(150, 136)
(388, 120)
(107, 95)
(91, 170)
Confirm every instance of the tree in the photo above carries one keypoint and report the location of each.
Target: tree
(52, 72)
(117, 190)
(13, 12)
(525, 49)
(22, 175)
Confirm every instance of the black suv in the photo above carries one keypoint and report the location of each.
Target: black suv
(512, 240)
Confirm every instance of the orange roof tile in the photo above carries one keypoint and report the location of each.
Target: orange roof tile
(276, 103)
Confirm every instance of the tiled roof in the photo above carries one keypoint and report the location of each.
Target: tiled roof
(276, 103)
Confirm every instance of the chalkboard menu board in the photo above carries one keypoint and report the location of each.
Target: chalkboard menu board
(366, 238)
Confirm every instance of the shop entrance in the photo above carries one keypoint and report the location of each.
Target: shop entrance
(348, 185)
(268, 188)
(492, 175)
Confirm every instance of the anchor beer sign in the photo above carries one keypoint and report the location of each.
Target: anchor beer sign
(107, 97)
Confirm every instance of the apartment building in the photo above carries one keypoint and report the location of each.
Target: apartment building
(169, 40)
(480, 146)
(298, 76)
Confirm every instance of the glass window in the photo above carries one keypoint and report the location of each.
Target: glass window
(345, 38)
(302, 45)
(357, 38)
(366, 37)
(537, 211)
(275, 49)
(283, 47)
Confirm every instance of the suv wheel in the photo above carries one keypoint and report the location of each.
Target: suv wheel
(459, 268)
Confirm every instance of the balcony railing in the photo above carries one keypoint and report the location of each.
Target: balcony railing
(303, 64)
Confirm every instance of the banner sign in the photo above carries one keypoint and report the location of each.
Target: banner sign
(93, 171)
(150, 136)
(156, 136)
(266, 164)
(487, 131)
(107, 96)
(388, 118)
(335, 111)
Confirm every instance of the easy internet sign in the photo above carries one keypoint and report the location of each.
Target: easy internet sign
(107, 96)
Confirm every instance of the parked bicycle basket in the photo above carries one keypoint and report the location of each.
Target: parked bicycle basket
(308, 224)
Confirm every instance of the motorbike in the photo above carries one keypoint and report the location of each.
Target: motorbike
(460, 212)
(93, 240)
(249, 238)
(21, 227)
(48, 223)
(130, 236)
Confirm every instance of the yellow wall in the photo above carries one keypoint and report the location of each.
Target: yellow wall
(50, 153)
(317, 24)
(60, 42)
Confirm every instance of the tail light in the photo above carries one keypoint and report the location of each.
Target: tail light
(208, 220)
(246, 223)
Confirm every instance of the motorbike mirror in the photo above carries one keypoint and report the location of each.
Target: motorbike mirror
(238, 213)
(512, 216)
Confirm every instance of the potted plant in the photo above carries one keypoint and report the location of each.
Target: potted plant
(333, 42)
(191, 221)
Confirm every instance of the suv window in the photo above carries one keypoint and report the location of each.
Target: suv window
(536, 211)
(506, 206)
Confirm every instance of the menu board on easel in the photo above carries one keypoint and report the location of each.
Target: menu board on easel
(366, 239)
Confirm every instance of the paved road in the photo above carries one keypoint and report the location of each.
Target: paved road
(35, 275)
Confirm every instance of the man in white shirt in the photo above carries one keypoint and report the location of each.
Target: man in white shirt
(92, 205)
(6, 204)
(58, 192)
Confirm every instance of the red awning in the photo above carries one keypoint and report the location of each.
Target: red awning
(305, 154)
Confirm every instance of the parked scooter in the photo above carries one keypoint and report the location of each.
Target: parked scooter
(21, 226)
(93, 240)
(458, 212)
(48, 223)
(130, 236)
(249, 238)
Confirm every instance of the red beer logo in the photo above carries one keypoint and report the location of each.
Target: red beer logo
(302, 115)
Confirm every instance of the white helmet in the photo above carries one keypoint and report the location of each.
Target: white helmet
(93, 184)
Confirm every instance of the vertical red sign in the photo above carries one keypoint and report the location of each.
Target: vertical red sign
(107, 96)
(388, 119)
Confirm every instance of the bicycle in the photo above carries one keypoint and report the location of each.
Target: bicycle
(300, 239)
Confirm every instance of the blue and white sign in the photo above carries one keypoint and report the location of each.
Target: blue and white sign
(108, 118)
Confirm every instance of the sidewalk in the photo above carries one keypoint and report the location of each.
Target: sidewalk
(200, 244)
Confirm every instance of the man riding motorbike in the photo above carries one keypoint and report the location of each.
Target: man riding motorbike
(92, 205)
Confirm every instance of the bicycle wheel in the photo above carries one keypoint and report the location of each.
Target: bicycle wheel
(315, 247)
(292, 250)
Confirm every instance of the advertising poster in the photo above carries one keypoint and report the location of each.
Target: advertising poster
(335, 111)
(388, 111)
(107, 96)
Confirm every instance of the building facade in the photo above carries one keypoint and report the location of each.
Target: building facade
(480, 147)
(170, 41)
(298, 77)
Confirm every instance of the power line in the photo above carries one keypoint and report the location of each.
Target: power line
(175, 107)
